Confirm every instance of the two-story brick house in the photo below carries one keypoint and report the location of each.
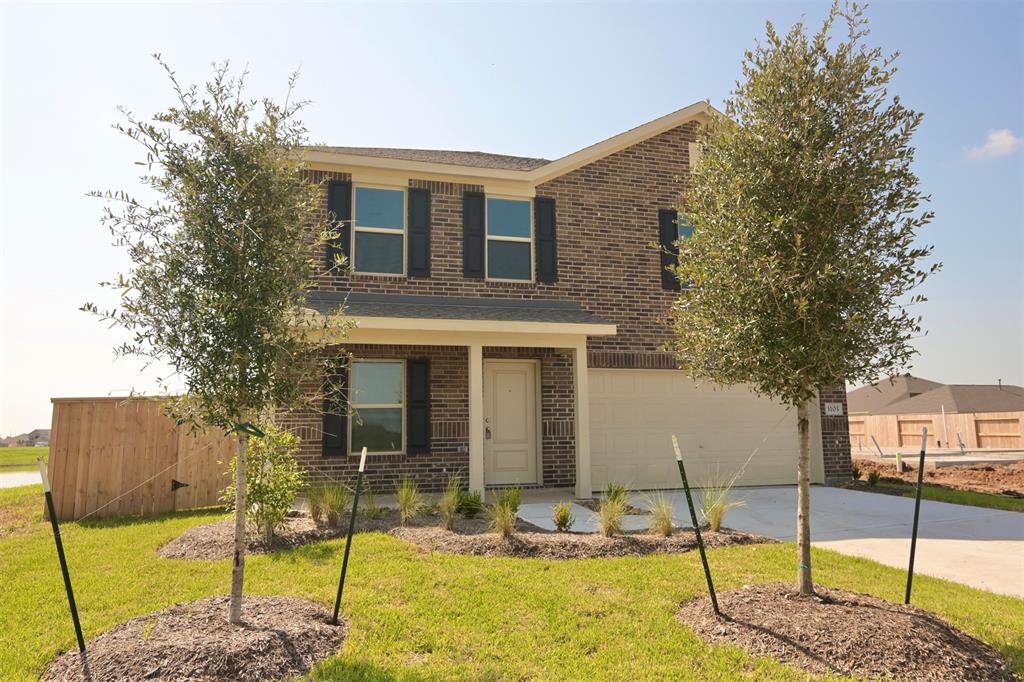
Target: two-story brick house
(509, 324)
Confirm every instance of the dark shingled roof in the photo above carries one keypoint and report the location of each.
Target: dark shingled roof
(455, 158)
(962, 398)
(452, 308)
(913, 395)
(873, 399)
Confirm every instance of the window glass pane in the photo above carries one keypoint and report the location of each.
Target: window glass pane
(380, 208)
(508, 218)
(508, 260)
(378, 252)
(378, 429)
(376, 383)
(685, 229)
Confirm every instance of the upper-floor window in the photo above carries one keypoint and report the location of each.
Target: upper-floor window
(509, 239)
(379, 240)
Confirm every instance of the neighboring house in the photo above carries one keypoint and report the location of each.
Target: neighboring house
(895, 411)
(510, 324)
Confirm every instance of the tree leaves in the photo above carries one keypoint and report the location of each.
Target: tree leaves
(805, 210)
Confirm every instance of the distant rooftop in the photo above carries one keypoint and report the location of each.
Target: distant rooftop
(913, 395)
(455, 158)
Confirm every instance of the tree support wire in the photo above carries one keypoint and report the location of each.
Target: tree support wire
(696, 526)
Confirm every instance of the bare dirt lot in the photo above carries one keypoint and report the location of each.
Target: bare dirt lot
(998, 479)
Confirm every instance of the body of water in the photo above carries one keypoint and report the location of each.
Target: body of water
(13, 479)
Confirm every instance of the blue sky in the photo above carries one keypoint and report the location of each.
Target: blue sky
(527, 79)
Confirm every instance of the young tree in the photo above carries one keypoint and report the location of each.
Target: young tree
(804, 208)
(221, 261)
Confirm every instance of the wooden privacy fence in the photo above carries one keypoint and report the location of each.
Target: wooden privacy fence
(979, 430)
(113, 456)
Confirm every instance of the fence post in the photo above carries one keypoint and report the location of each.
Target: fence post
(917, 515)
(51, 510)
(696, 526)
(348, 541)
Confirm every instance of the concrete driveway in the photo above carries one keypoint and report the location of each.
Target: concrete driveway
(982, 548)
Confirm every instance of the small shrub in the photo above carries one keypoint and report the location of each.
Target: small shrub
(873, 478)
(511, 498)
(616, 491)
(470, 504)
(855, 472)
(662, 515)
(562, 516)
(369, 503)
(610, 515)
(410, 503)
(448, 505)
(272, 479)
(502, 518)
(715, 502)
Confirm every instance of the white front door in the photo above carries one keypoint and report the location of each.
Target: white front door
(510, 422)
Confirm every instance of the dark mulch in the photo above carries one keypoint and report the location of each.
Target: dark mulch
(547, 545)
(212, 541)
(844, 633)
(282, 637)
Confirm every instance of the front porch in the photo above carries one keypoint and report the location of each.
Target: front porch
(507, 388)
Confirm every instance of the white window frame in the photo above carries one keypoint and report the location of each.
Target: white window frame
(522, 240)
(382, 230)
(356, 405)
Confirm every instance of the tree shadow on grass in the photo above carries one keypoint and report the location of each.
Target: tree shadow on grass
(363, 671)
(211, 513)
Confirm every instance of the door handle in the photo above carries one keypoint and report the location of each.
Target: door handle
(487, 432)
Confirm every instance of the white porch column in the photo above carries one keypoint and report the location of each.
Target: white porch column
(582, 392)
(476, 418)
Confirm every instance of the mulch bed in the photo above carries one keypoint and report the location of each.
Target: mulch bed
(997, 479)
(844, 633)
(282, 637)
(548, 545)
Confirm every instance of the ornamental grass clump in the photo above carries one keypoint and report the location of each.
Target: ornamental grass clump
(662, 515)
(502, 514)
(335, 502)
(470, 503)
(616, 491)
(610, 515)
(410, 503)
(715, 501)
(448, 505)
(370, 508)
(562, 516)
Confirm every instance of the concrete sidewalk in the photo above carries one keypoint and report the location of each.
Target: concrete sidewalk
(982, 548)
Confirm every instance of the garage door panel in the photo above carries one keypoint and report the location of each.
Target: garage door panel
(635, 413)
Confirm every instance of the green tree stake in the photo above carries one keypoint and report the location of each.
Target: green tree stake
(917, 515)
(348, 541)
(696, 527)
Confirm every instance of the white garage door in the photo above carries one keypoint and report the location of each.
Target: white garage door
(633, 414)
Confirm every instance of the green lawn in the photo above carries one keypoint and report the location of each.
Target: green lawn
(21, 458)
(941, 494)
(417, 616)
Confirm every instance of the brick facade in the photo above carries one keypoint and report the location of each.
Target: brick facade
(835, 435)
(607, 225)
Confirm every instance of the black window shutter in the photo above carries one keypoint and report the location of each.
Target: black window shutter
(419, 233)
(335, 417)
(667, 235)
(547, 246)
(473, 238)
(417, 409)
(339, 207)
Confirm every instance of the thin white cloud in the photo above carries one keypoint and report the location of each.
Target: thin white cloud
(998, 143)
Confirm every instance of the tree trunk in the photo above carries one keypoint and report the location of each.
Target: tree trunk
(238, 566)
(803, 501)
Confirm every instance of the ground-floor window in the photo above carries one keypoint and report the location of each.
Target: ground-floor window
(378, 404)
